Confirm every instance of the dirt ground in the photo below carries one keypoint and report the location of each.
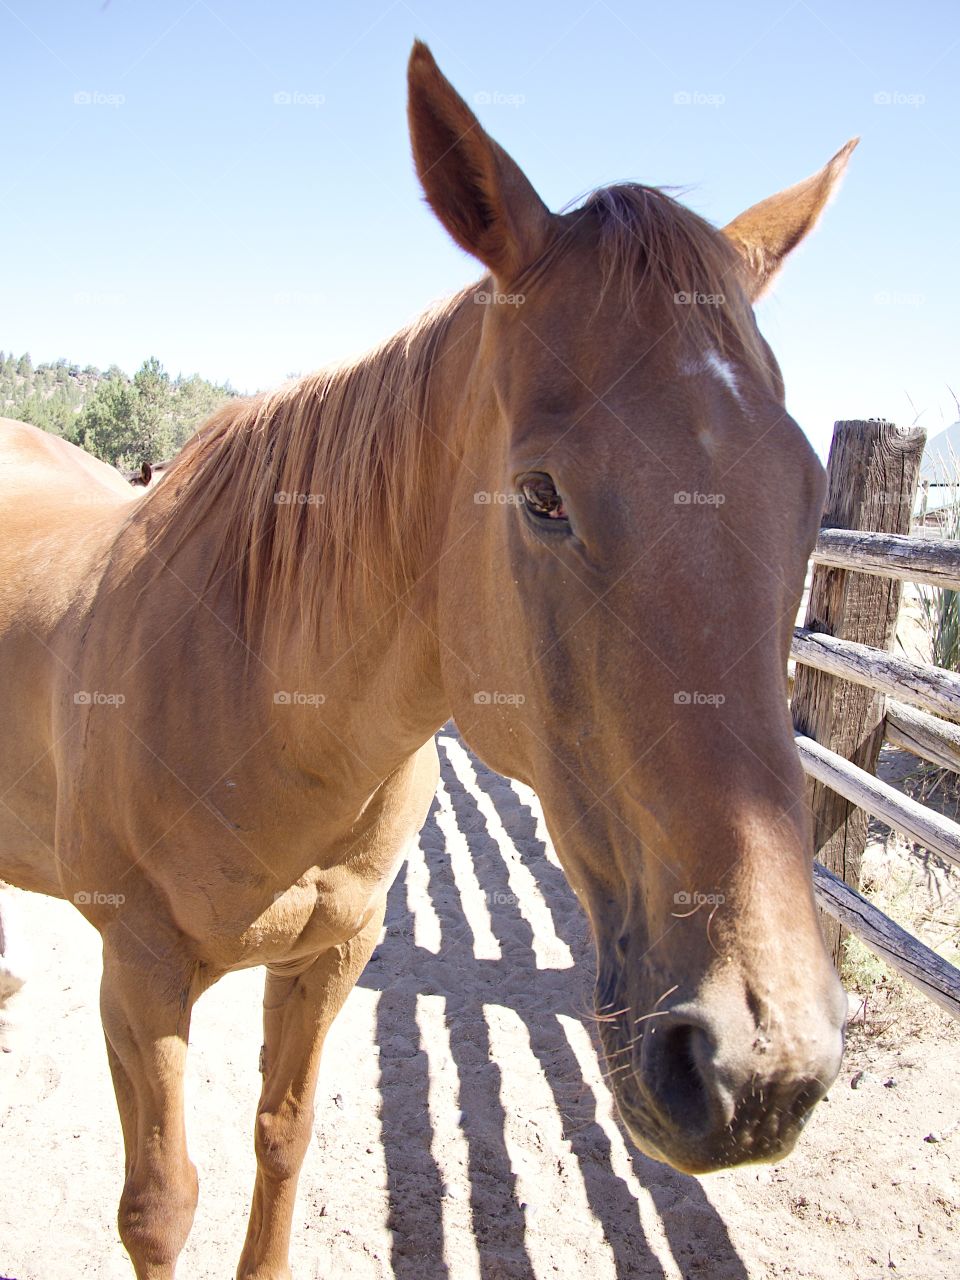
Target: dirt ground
(463, 1127)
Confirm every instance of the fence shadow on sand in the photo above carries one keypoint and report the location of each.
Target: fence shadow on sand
(517, 882)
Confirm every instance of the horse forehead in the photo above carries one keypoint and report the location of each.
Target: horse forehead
(562, 368)
(571, 353)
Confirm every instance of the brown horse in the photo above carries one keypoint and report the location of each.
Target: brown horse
(567, 507)
(149, 473)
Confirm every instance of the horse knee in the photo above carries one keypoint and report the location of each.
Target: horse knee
(154, 1219)
(281, 1140)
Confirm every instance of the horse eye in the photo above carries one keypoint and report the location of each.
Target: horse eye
(540, 497)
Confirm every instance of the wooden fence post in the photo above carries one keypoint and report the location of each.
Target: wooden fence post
(872, 483)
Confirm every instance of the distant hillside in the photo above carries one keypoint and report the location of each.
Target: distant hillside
(941, 457)
(120, 419)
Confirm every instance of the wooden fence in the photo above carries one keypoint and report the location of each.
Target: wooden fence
(851, 691)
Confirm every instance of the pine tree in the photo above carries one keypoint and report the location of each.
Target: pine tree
(124, 421)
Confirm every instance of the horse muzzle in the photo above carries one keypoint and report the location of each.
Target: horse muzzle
(704, 1095)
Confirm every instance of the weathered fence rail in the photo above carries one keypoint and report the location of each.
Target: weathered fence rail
(931, 688)
(930, 829)
(851, 692)
(902, 951)
(926, 736)
(930, 561)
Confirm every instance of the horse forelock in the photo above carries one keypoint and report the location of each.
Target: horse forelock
(662, 259)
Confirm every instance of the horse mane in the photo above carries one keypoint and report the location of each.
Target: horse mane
(331, 470)
(658, 252)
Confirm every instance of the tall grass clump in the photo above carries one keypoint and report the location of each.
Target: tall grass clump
(941, 607)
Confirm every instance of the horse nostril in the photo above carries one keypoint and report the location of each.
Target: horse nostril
(674, 1064)
(707, 1102)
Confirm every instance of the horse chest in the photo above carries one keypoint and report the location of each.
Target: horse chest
(331, 904)
(299, 886)
(325, 908)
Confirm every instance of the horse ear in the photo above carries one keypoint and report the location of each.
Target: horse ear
(766, 232)
(480, 195)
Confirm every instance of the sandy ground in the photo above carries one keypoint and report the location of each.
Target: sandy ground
(463, 1127)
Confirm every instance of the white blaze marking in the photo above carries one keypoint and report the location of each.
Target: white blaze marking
(714, 363)
(724, 371)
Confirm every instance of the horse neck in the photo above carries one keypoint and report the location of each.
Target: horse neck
(375, 660)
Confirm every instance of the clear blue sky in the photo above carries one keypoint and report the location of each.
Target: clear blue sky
(182, 211)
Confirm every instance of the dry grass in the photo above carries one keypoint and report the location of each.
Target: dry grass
(917, 890)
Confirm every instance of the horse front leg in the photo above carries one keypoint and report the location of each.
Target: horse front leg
(297, 1014)
(145, 1005)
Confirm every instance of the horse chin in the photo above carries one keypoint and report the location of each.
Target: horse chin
(687, 1159)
